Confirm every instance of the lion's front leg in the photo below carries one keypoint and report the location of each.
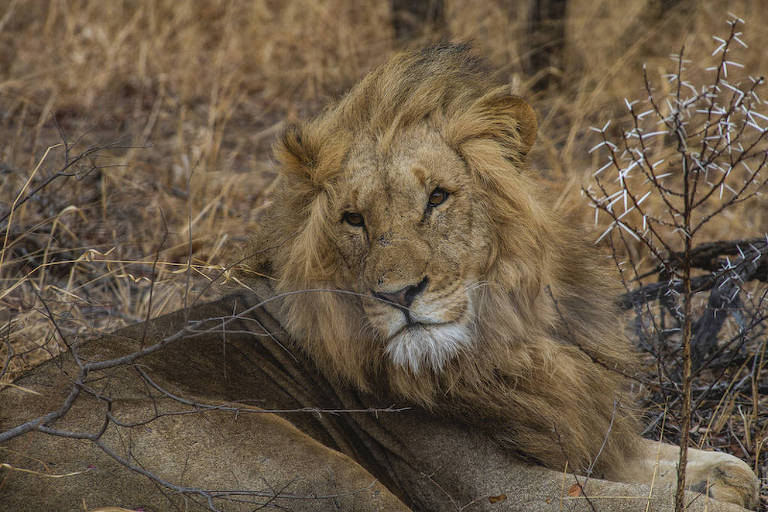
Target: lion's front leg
(720, 475)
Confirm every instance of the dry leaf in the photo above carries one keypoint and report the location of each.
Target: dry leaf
(574, 490)
(496, 499)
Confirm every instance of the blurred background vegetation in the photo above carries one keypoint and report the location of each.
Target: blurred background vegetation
(190, 95)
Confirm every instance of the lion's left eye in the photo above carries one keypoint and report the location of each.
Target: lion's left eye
(437, 197)
(353, 219)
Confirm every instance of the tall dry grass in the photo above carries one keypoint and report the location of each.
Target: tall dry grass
(195, 92)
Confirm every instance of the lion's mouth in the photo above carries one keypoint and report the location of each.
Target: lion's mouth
(417, 345)
(411, 325)
(433, 332)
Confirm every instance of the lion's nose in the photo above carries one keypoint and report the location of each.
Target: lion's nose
(404, 297)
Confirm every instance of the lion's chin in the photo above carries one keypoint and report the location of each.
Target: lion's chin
(421, 345)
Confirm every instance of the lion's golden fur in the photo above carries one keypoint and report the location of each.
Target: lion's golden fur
(544, 371)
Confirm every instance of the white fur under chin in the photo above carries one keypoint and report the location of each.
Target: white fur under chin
(430, 345)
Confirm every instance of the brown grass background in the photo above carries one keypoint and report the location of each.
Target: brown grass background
(197, 91)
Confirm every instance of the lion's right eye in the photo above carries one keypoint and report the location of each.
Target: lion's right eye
(353, 219)
(437, 197)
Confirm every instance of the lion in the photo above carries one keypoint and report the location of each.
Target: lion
(417, 258)
(429, 336)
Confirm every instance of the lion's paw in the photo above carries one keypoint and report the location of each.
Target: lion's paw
(724, 478)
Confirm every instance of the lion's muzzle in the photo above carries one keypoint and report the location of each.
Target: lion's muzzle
(403, 298)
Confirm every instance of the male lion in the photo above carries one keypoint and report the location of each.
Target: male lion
(416, 263)
(418, 260)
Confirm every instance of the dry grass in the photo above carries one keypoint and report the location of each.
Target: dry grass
(196, 91)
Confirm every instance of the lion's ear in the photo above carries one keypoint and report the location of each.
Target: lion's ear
(499, 116)
(525, 119)
(296, 152)
(311, 154)
(511, 119)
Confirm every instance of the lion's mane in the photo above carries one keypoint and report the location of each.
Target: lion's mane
(545, 372)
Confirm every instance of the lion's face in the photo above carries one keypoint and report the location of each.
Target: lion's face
(407, 198)
(404, 230)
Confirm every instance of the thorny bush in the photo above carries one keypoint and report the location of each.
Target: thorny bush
(691, 153)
